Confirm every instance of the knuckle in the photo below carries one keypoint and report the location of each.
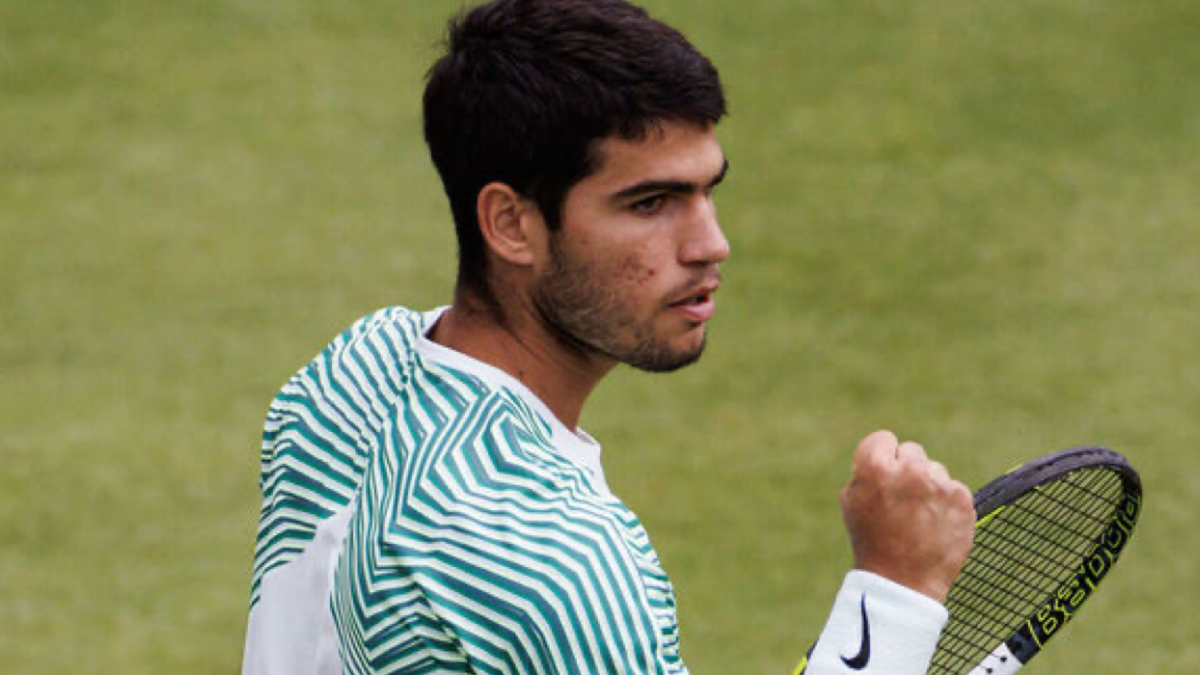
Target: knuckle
(963, 496)
(874, 444)
(869, 465)
(912, 451)
(873, 441)
(963, 491)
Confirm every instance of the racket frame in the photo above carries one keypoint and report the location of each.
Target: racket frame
(1060, 605)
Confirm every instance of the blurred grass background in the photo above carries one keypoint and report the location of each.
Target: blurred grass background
(975, 223)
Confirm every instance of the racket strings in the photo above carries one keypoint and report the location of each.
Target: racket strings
(992, 572)
(1024, 553)
(1093, 499)
(1045, 532)
(1000, 570)
(1042, 516)
(1065, 527)
(1009, 610)
(1020, 564)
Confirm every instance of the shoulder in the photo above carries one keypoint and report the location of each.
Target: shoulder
(365, 361)
(387, 335)
(324, 422)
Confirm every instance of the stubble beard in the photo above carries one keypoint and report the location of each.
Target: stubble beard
(589, 317)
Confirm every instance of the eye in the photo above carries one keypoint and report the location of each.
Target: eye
(649, 206)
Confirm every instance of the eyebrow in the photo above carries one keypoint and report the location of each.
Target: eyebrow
(675, 186)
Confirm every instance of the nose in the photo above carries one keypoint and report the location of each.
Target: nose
(704, 243)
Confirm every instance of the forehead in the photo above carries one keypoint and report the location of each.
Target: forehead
(670, 152)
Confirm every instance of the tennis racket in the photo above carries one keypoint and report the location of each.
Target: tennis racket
(1046, 534)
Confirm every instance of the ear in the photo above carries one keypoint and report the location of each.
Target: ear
(511, 224)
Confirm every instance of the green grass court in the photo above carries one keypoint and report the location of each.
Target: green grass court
(977, 223)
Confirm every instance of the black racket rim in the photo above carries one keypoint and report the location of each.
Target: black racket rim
(1020, 480)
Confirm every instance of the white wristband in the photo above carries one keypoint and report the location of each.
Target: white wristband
(878, 627)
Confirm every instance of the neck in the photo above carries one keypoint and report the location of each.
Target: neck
(561, 377)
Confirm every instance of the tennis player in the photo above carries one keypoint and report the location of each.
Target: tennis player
(430, 504)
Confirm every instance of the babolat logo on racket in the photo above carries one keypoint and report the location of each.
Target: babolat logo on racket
(1062, 605)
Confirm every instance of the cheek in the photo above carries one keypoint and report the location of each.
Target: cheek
(637, 270)
(644, 275)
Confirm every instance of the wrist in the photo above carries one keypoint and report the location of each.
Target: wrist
(878, 626)
(935, 589)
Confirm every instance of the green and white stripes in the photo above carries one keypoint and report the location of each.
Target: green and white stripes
(474, 544)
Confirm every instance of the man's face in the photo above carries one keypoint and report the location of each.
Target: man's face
(631, 272)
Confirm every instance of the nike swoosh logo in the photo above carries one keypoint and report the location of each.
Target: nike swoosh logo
(864, 653)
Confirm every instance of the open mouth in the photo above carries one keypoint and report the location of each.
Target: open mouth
(694, 300)
(698, 308)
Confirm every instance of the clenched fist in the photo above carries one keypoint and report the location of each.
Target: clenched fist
(908, 520)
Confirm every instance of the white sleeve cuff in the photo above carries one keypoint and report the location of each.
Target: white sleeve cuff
(878, 627)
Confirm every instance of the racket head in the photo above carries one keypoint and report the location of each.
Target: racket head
(1046, 534)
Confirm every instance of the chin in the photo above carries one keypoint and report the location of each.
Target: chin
(661, 358)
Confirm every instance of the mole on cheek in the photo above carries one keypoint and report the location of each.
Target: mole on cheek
(638, 274)
(632, 271)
